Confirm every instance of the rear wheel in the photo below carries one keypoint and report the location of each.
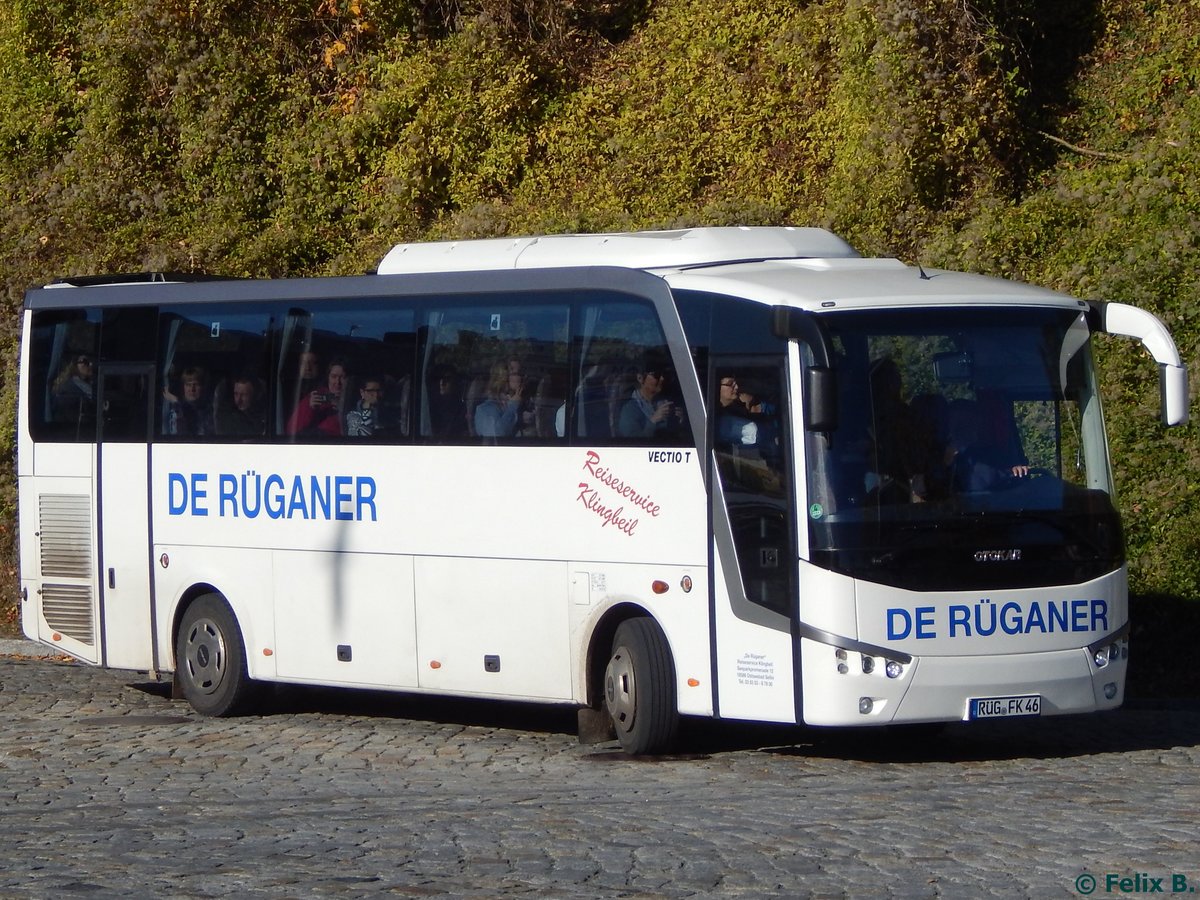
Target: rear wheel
(639, 688)
(210, 658)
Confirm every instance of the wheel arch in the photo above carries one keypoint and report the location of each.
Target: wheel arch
(600, 646)
(211, 672)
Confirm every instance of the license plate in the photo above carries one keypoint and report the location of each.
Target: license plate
(1005, 707)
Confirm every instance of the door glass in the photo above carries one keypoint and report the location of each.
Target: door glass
(750, 452)
(62, 372)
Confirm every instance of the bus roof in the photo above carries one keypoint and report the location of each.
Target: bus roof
(633, 250)
(803, 267)
(857, 283)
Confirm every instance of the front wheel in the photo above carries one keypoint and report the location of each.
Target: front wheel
(210, 658)
(639, 688)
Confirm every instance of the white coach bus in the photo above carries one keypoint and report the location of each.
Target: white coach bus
(720, 472)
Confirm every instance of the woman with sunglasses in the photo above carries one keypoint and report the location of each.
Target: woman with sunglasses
(647, 413)
(74, 391)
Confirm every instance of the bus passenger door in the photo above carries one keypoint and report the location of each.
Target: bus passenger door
(754, 539)
(126, 404)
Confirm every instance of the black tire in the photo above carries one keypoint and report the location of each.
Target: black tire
(639, 688)
(210, 658)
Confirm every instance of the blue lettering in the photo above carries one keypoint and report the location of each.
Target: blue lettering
(1079, 610)
(273, 497)
(960, 615)
(1010, 618)
(366, 497)
(246, 494)
(924, 623)
(341, 497)
(296, 500)
(892, 632)
(176, 507)
(198, 494)
(341, 488)
(981, 629)
(227, 492)
(320, 500)
(1047, 617)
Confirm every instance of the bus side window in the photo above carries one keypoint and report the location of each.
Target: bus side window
(494, 371)
(72, 399)
(188, 404)
(627, 390)
(330, 352)
(203, 354)
(62, 387)
(240, 406)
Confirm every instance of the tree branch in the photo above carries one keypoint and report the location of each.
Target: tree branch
(1077, 149)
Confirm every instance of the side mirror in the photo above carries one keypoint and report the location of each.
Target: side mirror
(820, 398)
(820, 379)
(1173, 394)
(1120, 318)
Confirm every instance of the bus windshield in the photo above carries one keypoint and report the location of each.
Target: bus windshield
(969, 452)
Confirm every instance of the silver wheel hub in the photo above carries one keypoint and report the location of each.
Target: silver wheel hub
(620, 689)
(204, 657)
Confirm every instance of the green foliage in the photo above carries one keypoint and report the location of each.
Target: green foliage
(878, 118)
(38, 106)
(1118, 219)
(921, 110)
(455, 126)
(1052, 142)
(703, 118)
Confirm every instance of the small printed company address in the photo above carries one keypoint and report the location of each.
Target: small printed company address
(755, 670)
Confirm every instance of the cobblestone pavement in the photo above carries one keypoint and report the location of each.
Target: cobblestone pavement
(108, 788)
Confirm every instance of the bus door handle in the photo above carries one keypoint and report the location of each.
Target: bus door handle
(112, 578)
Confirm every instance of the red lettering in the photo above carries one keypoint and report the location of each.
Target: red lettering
(619, 486)
(614, 517)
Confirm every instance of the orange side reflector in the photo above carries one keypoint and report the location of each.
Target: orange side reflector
(660, 587)
(267, 651)
(434, 664)
(56, 636)
(692, 682)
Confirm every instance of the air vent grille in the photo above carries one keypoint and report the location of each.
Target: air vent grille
(67, 608)
(65, 535)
